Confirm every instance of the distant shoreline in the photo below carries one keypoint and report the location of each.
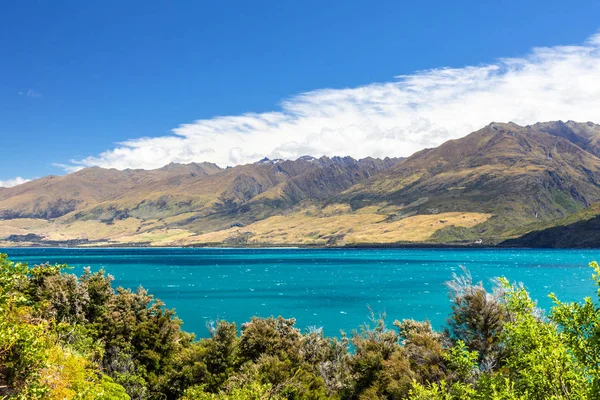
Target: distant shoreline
(297, 246)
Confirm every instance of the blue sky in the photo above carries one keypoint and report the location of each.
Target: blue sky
(77, 78)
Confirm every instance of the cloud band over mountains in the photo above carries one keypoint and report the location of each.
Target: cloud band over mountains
(385, 119)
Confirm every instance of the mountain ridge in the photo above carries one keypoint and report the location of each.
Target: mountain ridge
(489, 186)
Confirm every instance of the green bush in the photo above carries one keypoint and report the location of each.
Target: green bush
(69, 337)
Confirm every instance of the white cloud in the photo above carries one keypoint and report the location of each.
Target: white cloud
(385, 119)
(31, 93)
(13, 182)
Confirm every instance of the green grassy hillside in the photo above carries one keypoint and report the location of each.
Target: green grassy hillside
(581, 229)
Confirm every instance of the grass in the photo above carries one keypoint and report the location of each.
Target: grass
(582, 215)
(349, 228)
(21, 226)
(334, 224)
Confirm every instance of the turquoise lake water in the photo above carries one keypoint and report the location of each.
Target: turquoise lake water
(329, 288)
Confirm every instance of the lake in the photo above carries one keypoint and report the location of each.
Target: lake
(329, 288)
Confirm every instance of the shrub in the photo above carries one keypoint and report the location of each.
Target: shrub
(69, 337)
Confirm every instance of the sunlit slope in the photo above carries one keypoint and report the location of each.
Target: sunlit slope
(345, 229)
(56, 196)
(521, 175)
(498, 183)
(136, 206)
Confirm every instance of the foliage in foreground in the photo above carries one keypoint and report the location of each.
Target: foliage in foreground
(68, 337)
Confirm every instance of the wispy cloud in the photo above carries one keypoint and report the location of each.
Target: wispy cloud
(31, 93)
(13, 182)
(395, 118)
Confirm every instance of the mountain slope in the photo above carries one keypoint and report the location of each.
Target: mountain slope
(579, 230)
(175, 200)
(55, 196)
(497, 183)
(520, 174)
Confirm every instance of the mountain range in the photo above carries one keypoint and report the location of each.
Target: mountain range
(506, 184)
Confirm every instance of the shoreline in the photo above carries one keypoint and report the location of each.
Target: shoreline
(469, 246)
